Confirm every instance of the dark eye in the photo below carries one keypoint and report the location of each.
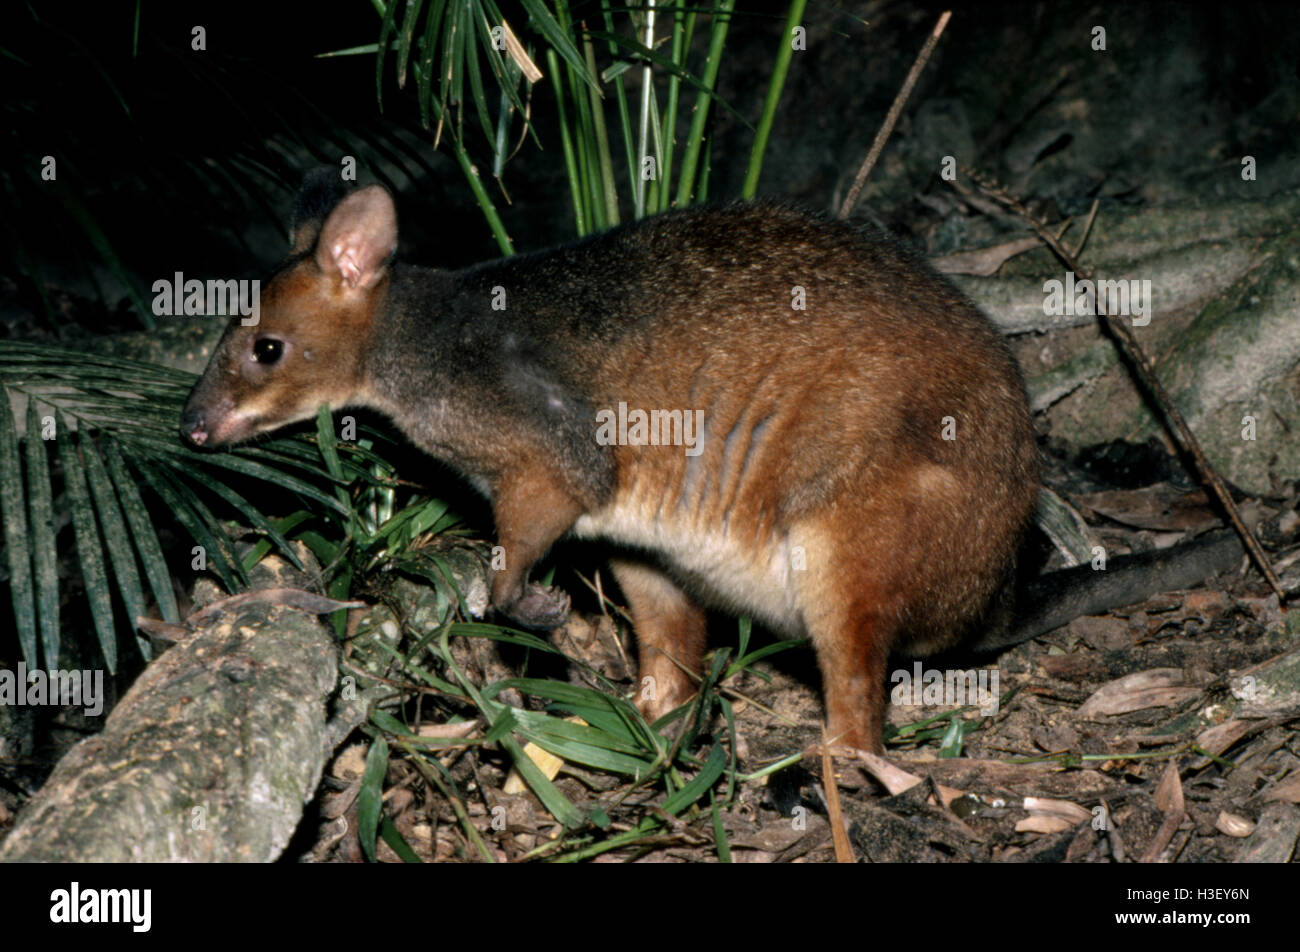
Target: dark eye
(267, 350)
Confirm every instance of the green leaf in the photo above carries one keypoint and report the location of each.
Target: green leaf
(94, 571)
(191, 516)
(668, 66)
(701, 784)
(748, 660)
(113, 527)
(386, 28)
(404, 38)
(397, 843)
(263, 546)
(556, 802)
(556, 36)
(45, 556)
(720, 836)
(234, 463)
(370, 798)
(250, 512)
(142, 532)
(15, 531)
(386, 722)
(327, 442)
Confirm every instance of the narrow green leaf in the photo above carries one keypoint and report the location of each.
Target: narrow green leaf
(548, 725)
(590, 755)
(45, 556)
(432, 30)
(567, 146)
(238, 464)
(386, 722)
(90, 554)
(324, 550)
(386, 28)
(477, 91)
(327, 440)
(351, 51)
(15, 529)
(397, 843)
(474, 629)
(142, 532)
(556, 802)
(686, 188)
(183, 506)
(556, 36)
(404, 39)
(262, 546)
(757, 655)
(776, 84)
(370, 798)
(453, 81)
(114, 532)
(701, 784)
(705, 86)
(561, 692)
(250, 512)
(720, 836)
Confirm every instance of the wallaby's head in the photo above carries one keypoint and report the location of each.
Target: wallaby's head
(313, 323)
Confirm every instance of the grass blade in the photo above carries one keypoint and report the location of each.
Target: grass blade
(774, 89)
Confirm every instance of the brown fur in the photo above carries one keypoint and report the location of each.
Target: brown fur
(825, 500)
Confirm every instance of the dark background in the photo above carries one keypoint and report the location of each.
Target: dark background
(186, 160)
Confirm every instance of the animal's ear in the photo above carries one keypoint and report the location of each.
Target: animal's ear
(359, 237)
(321, 191)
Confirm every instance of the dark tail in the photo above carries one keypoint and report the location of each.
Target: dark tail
(1058, 598)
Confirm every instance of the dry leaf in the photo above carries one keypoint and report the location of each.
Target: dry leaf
(1158, 687)
(1062, 809)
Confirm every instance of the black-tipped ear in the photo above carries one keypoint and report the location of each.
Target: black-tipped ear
(321, 191)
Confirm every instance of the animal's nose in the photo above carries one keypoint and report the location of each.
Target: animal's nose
(193, 428)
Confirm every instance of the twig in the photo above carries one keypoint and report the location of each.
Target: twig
(831, 797)
(1146, 371)
(887, 127)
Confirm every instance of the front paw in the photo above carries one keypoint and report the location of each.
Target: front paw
(538, 607)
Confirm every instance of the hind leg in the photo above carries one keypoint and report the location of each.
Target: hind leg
(849, 601)
(853, 640)
(669, 625)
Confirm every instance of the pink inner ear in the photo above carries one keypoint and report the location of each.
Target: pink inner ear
(359, 237)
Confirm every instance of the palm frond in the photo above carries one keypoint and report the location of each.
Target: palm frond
(113, 422)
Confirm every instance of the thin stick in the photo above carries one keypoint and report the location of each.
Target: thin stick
(1146, 370)
(831, 796)
(887, 127)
